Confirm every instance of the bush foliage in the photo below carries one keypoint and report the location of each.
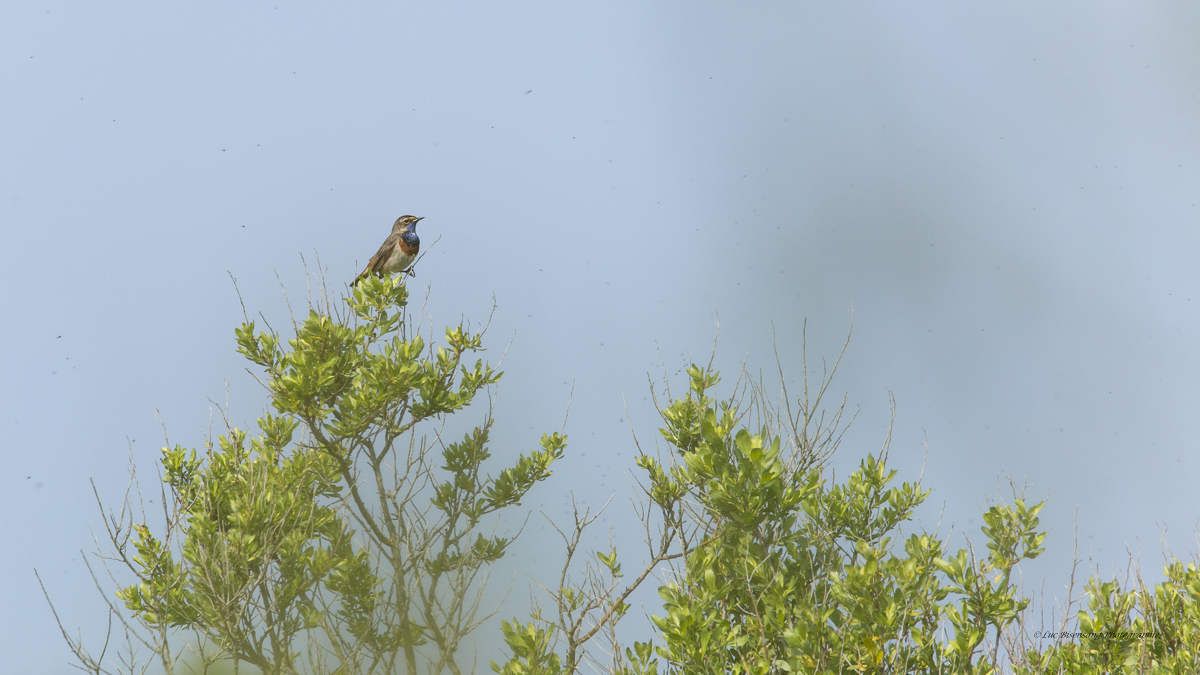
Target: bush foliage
(347, 536)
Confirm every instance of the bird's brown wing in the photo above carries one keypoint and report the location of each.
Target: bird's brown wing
(380, 258)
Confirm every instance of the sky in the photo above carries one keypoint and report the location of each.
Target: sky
(1000, 196)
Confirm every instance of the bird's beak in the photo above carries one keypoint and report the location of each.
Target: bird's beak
(419, 219)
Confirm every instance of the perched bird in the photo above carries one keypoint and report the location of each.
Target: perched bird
(398, 252)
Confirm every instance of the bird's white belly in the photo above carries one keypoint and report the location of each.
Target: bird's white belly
(398, 262)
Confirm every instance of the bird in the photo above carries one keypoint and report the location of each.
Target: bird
(398, 252)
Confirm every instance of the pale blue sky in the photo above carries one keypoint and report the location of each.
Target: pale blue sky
(1005, 193)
